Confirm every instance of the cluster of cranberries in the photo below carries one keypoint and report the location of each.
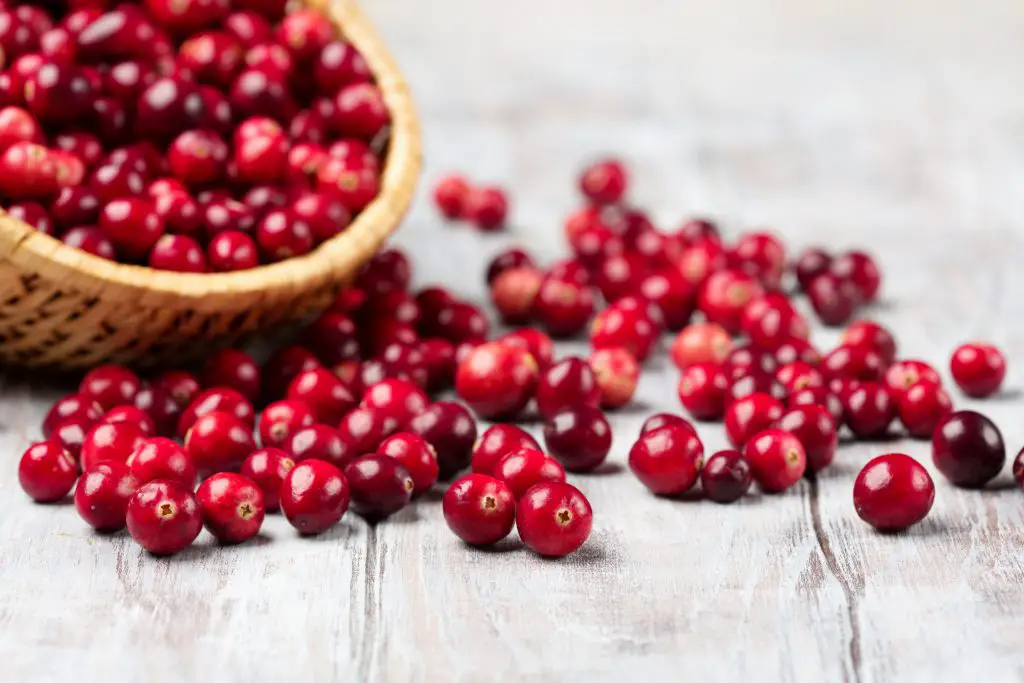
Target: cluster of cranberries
(486, 207)
(187, 135)
(747, 361)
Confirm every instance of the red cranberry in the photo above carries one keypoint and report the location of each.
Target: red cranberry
(320, 442)
(497, 380)
(283, 366)
(702, 390)
(360, 112)
(398, 399)
(563, 308)
(859, 269)
(271, 59)
(324, 393)
(28, 172)
(672, 294)
(617, 373)
(212, 57)
(777, 459)
(102, 495)
(73, 206)
(282, 235)
(507, 260)
(495, 443)
(91, 240)
(700, 260)
(281, 420)
(182, 385)
(536, 342)
(872, 335)
(725, 477)
(110, 443)
(232, 507)
(47, 472)
(922, 407)
(439, 358)
(380, 485)
(857, 362)
(261, 159)
(70, 434)
(570, 271)
(604, 182)
(167, 107)
(233, 369)
(816, 430)
(479, 509)
(749, 415)
(178, 253)
(59, 95)
(967, 448)
(219, 442)
(220, 400)
(869, 410)
(724, 295)
(69, 407)
(526, 467)
(325, 216)
(893, 492)
(450, 195)
(629, 329)
(451, 430)
(514, 292)
(160, 407)
(339, 64)
(799, 375)
(796, 349)
(32, 214)
(554, 518)
(754, 383)
(834, 300)
(314, 496)
(978, 369)
(163, 517)
(160, 458)
(904, 374)
(267, 468)
(132, 226)
(486, 207)
(122, 414)
(110, 386)
(811, 263)
(416, 455)
(388, 270)
(579, 437)
(700, 343)
(248, 27)
(232, 250)
(667, 460)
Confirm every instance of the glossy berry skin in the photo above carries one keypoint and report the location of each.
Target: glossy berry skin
(110, 386)
(566, 384)
(162, 458)
(479, 509)
(159, 406)
(497, 380)
(450, 195)
(451, 430)
(416, 455)
(110, 442)
(102, 495)
(523, 468)
(513, 294)
(904, 374)
(659, 420)
(632, 330)
(219, 442)
(536, 342)
(777, 459)
(132, 226)
(1018, 468)
(554, 518)
(234, 369)
(724, 295)
(922, 407)
(967, 448)
(978, 369)
(617, 372)
(861, 271)
(834, 300)
(725, 477)
(326, 396)
(281, 419)
(70, 434)
(232, 507)
(508, 260)
(163, 517)
(858, 362)
(579, 437)
(46, 472)
(749, 415)
(797, 376)
(700, 343)
(604, 182)
(816, 430)
(872, 335)
(267, 468)
(809, 264)
(397, 399)
(869, 409)
(68, 407)
(216, 400)
(562, 307)
(321, 442)
(667, 460)
(314, 496)
(380, 485)
(702, 390)
(487, 208)
(495, 443)
(893, 492)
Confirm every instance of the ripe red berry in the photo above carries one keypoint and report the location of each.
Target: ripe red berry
(416, 455)
(617, 373)
(834, 300)
(922, 407)
(450, 195)
(497, 380)
(978, 368)
(379, 485)
(632, 330)
(816, 430)
(777, 459)
(861, 271)
(216, 400)
(325, 394)
(110, 443)
(46, 472)
(102, 495)
(724, 295)
(110, 386)
(750, 415)
(397, 399)
(967, 448)
(872, 335)
(562, 307)
(700, 343)
(868, 409)
(451, 430)
(893, 492)
(725, 477)
(479, 509)
(702, 390)
(667, 460)
(314, 496)
(525, 467)
(68, 407)
(163, 517)
(604, 182)
(234, 369)
(514, 292)
(219, 442)
(232, 507)
(495, 443)
(904, 374)
(161, 458)
(487, 208)
(536, 342)
(267, 468)
(554, 518)
(567, 384)
(579, 437)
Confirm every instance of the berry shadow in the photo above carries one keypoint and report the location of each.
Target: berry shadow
(604, 469)
(633, 408)
(891, 436)
(999, 486)
(505, 545)
(338, 532)
(590, 553)
(1007, 395)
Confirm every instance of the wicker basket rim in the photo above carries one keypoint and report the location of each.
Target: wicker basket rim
(73, 268)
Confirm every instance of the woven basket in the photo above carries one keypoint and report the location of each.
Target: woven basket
(64, 308)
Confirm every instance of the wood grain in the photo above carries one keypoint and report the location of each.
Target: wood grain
(894, 125)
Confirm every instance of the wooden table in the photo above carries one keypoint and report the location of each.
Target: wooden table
(892, 125)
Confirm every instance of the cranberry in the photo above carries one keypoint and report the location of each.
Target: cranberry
(777, 326)
(360, 112)
(325, 394)
(579, 437)
(698, 229)
(860, 270)
(397, 399)
(796, 349)
(69, 407)
(799, 375)
(904, 374)
(168, 107)
(179, 212)
(182, 385)
(922, 407)
(833, 299)
(388, 270)
(967, 448)
(554, 518)
(667, 460)
(630, 329)
(479, 509)
(777, 459)
(110, 386)
(380, 485)
(178, 253)
(28, 172)
(261, 159)
(497, 380)
(232, 250)
(754, 383)
(314, 496)
(283, 366)
(232, 507)
(811, 263)
(702, 390)
(672, 294)
(218, 399)
(339, 64)
(869, 410)
(536, 342)
(247, 27)
(872, 335)
(893, 492)
(724, 295)
(604, 182)
(270, 58)
(749, 415)
(70, 434)
(725, 477)
(325, 216)
(163, 517)
(978, 369)
(514, 292)
(450, 195)
(816, 430)
(451, 431)
(1018, 468)
(73, 206)
(132, 226)
(47, 472)
(233, 369)
(161, 458)
(160, 407)
(760, 255)
(267, 468)
(525, 467)
(110, 442)
(570, 271)
(416, 455)
(563, 307)
(321, 442)
(102, 495)
(59, 95)
(219, 442)
(700, 343)
(617, 373)
(460, 322)
(123, 414)
(305, 32)
(495, 443)
(281, 420)
(857, 362)
(509, 259)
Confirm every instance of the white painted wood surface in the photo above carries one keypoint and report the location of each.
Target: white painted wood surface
(896, 125)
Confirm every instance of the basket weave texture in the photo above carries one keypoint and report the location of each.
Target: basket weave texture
(64, 308)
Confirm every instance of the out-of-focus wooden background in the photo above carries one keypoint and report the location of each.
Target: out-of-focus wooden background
(896, 126)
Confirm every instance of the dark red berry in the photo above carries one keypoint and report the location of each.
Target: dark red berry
(869, 409)
(568, 383)
(861, 271)
(68, 407)
(321, 442)
(497, 380)
(416, 455)
(232, 507)
(904, 374)
(777, 459)
(604, 182)
(102, 495)
(750, 415)
(554, 518)
(219, 442)
(326, 395)
(479, 509)
(579, 437)
(893, 492)
(725, 477)
(380, 485)
(267, 468)
(216, 400)
(816, 430)
(525, 467)
(811, 263)
(451, 430)
(967, 448)
(495, 443)
(667, 460)
(314, 496)
(702, 390)
(486, 207)
(562, 307)
(922, 407)
(397, 399)
(161, 458)
(280, 420)
(872, 335)
(834, 300)
(47, 472)
(110, 443)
